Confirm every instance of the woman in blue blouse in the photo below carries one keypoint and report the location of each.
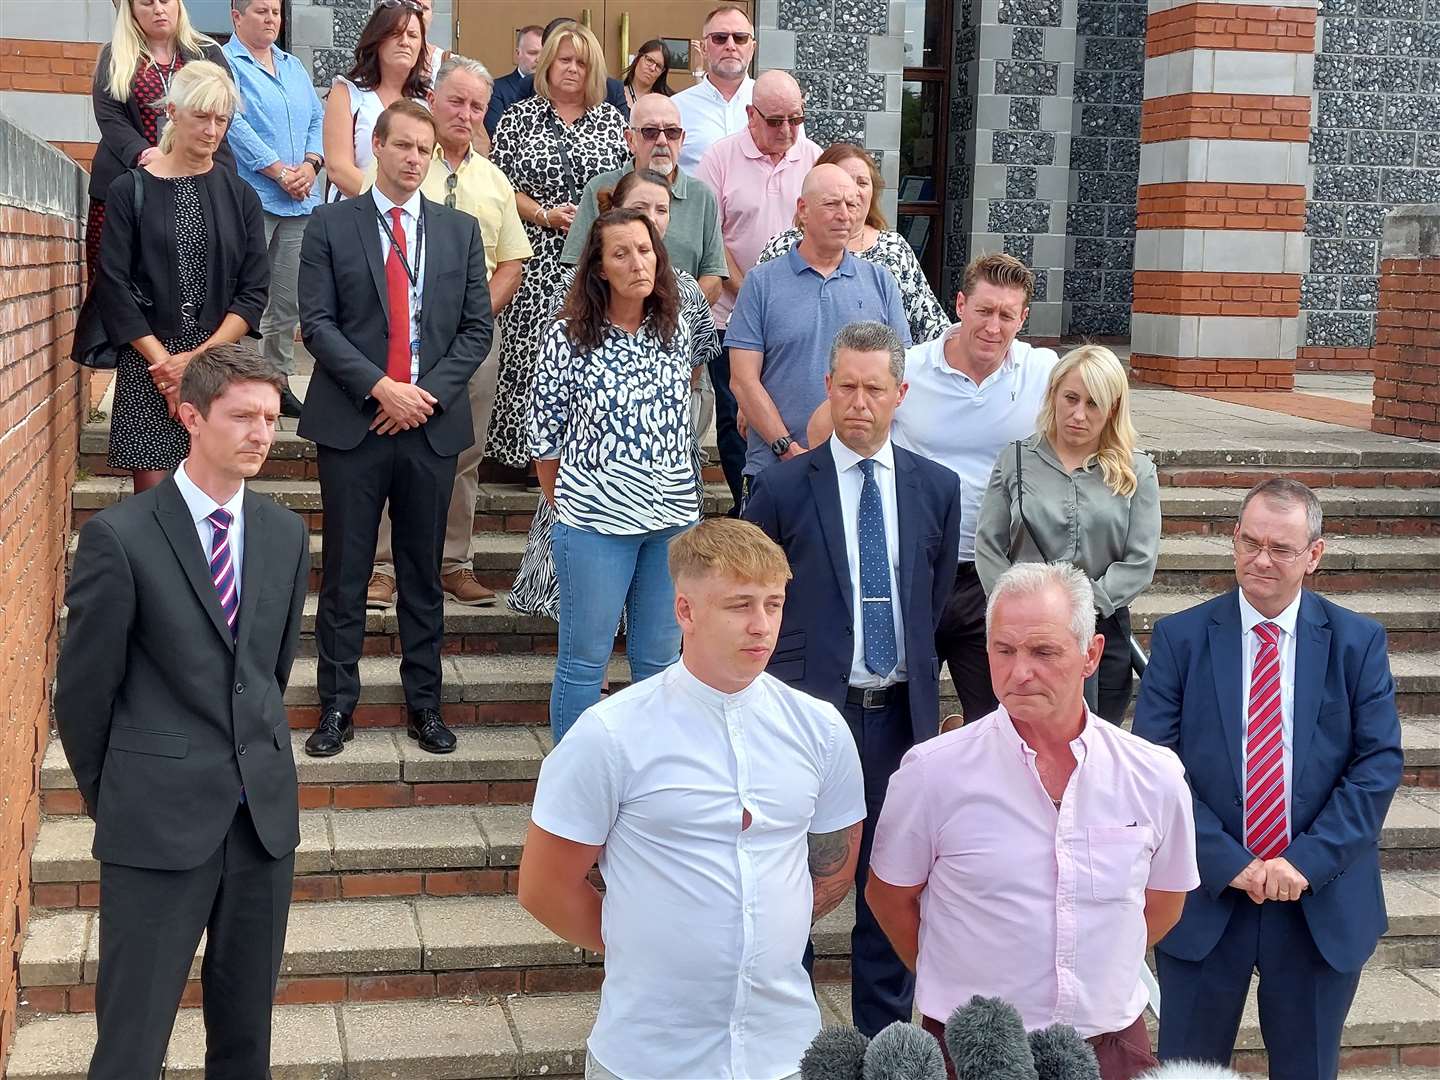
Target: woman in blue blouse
(610, 432)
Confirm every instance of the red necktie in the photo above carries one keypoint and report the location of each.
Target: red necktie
(397, 289)
(1267, 832)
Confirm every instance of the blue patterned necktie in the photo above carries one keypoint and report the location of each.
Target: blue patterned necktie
(875, 602)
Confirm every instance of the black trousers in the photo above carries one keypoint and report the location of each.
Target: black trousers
(354, 486)
(728, 440)
(960, 642)
(150, 926)
(1107, 692)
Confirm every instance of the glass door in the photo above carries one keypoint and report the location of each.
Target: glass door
(924, 131)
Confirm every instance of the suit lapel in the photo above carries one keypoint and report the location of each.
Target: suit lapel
(434, 240)
(366, 226)
(257, 537)
(1226, 658)
(907, 505)
(179, 529)
(824, 485)
(1312, 652)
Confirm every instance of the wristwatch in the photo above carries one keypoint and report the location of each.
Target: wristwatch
(315, 161)
(780, 445)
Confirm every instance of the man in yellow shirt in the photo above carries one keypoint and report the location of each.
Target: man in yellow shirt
(462, 178)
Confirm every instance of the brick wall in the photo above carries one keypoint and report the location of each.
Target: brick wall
(42, 405)
(1407, 326)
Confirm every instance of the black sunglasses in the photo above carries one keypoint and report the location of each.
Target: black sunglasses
(650, 134)
(450, 182)
(719, 37)
(780, 121)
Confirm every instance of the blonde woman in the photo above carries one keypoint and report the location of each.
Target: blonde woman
(1078, 491)
(152, 40)
(201, 274)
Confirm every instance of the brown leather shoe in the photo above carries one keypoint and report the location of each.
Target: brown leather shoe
(381, 591)
(460, 585)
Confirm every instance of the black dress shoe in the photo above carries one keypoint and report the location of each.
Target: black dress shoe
(290, 405)
(329, 738)
(426, 727)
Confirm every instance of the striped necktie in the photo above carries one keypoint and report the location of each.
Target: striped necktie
(1267, 831)
(222, 566)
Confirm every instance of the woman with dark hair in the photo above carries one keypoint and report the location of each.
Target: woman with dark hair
(875, 242)
(610, 431)
(390, 63)
(648, 73)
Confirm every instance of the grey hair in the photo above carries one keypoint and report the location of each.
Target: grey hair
(1280, 489)
(871, 337)
(242, 6)
(1028, 578)
(455, 62)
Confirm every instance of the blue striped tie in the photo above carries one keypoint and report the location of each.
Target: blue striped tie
(222, 566)
(876, 607)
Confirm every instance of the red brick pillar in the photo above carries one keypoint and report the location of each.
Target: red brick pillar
(1407, 329)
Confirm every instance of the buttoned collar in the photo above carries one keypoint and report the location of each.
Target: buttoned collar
(1040, 443)
(438, 154)
(1250, 618)
(798, 265)
(710, 88)
(1079, 745)
(847, 459)
(201, 505)
(938, 361)
(706, 694)
(236, 49)
(410, 206)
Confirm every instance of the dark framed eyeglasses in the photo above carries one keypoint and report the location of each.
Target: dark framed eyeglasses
(720, 37)
(450, 182)
(408, 5)
(651, 134)
(780, 121)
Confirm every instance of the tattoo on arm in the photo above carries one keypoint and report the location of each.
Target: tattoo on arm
(828, 851)
(830, 859)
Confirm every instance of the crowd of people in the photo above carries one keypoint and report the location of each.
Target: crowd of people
(571, 274)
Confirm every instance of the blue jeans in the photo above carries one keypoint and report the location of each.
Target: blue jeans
(599, 577)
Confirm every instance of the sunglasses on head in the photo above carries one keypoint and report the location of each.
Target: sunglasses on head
(780, 121)
(408, 5)
(720, 37)
(650, 134)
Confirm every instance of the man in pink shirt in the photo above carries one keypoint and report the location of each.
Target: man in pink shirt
(1036, 853)
(756, 175)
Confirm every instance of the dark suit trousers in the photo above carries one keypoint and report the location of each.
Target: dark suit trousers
(354, 485)
(150, 925)
(960, 642)
(728, 440)
(1303, 1001)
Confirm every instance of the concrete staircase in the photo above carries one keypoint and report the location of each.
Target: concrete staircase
(408, 957)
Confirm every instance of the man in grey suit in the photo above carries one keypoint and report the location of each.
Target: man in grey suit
(184, 613)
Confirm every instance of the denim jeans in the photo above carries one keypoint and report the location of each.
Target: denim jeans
(599, 577)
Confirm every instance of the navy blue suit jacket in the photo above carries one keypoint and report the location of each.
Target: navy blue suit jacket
(1346, 766)
(797, 502)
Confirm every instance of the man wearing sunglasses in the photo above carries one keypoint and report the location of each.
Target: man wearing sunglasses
(693, 239)
(715, 106)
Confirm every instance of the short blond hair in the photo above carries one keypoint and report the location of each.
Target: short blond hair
(1001, 270)
(588, 47)
(730, 547)
(200, 86)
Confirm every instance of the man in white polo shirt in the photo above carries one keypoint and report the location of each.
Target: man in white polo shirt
(725, 810)
(715, 106)
(973, 391)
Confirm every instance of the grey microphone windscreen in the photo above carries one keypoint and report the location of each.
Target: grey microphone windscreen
(1061, 1054)
(904, 1052)
(837, 1053)
(987, 1041)
(1191, 1070)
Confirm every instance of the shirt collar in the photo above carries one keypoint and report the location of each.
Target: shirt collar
(1080, 744)
(747, 145)
(714, 91)
(236, 48)
(411, 206)
(201, 505)
(798, 265)
(1009, 364)
(438, 154)
(1250, 618)
(846, 459)
(706, 694)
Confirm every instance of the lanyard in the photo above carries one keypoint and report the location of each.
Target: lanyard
(412, 271)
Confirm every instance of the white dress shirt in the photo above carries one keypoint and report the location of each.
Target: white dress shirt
(851, 480)
(1249, 619)
(707, 117)
(201, 506)
(947, 418)
(704, 922)
(410, 219)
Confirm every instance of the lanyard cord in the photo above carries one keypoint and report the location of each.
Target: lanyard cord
(412, 275)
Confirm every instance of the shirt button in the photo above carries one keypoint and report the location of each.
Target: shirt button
(239, 687)
(241, 749)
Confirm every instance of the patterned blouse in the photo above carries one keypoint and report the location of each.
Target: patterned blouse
(891, 250)
(618, 418)
(694, 310)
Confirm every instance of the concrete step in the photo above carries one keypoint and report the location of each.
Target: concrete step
(373, 950)
(1395, 1015)
(1411, 617)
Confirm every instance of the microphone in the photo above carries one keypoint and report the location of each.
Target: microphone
(904, 1052)
(1061, 1054)
(836, 1053)
(1191, 1070)
(987, 1041)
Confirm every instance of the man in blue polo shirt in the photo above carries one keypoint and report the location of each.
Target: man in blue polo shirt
(789, 311)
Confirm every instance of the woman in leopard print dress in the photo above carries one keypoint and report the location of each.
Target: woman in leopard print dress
(549, 146)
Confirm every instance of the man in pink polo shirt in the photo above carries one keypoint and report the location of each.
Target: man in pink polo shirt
(756, 175)
(1036, 853)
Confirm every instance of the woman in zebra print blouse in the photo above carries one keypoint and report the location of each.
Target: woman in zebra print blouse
(610, 431)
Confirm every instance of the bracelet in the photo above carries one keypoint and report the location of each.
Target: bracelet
(545, 217)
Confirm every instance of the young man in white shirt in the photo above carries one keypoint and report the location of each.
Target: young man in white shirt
(725, 810)
(715, 106)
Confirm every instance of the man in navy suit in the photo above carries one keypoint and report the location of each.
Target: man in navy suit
(1282, 709)
(871, 532)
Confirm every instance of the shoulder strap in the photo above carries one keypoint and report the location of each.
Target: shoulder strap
(1020, 503)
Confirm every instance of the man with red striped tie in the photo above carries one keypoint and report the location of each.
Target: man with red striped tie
(1282, 709)
(185, 608)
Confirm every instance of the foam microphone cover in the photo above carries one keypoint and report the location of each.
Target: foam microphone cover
(987, 1041)
(837, 1053)
(1061, 1054)
(904, 1052)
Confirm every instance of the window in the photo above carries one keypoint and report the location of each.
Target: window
(924, 109)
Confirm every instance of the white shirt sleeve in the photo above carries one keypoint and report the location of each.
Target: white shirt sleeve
(1173, 867)
(578, 795)
(841, 802)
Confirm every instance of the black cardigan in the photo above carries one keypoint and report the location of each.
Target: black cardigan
(237, 271)
(120, 140)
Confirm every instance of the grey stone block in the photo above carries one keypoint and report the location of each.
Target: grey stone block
(1342, 257)
(830, 52)
(1329, 147)
(1096, 320)
(304, 1044)
(481, 753)
(1382, 147)
(1083, 284)
(886, 55)
(776, 49)
(1130, 21)
(1095, 19)
(1365, 221)
(1340, 330)
(313, 26)
(855, 92)
(815, 88)
(1030, 12)
(1409, 112)
(1122, 54)
(1094, 87)
(1025, 114)
(1089, 154)
(1399, 186)
(1319, 292)
(806, 16)
(1026, 77)
(329, 63)
(1125, 156)
(1394, 76)
(552, 1032)
(1021, 247)
(487, 932)
(1427, 150)
(1409, 10)
(1085, 220)
(1020, 182)
(1120, 220)
(408, 838)
(882, 129)
(54, 951)
(443, 1041)
(1027, 43)
(1367, 37)
(1333, 72)
(862, 16)
(827, 128)
(1023, 148)
(1013, 216)
(358, 937)
(1339, 183)
(1359, 292)
(1348, 110)
(504, 830)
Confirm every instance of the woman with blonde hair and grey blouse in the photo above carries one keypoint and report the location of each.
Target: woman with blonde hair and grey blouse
(1078, 491)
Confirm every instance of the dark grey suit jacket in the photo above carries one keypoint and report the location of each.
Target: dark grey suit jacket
(164, 718)
(343, 315)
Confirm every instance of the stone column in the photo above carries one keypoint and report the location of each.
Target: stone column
(1407, 332)
(1219, 244)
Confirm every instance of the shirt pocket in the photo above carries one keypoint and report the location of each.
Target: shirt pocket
(1119, 862)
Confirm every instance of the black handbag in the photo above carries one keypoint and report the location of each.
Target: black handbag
(91, 345)
(1020, 501)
